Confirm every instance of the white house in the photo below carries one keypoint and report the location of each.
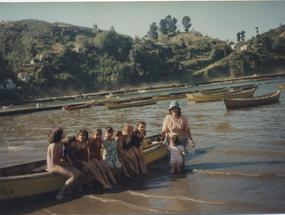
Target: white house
(8, 84)
(25, 77)
(243, 47)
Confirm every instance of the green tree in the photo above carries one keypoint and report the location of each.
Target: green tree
(238, 37)
(242, 33)
(186, 22)
(153, 31)
(267, 43)
(257, 31)
(4, 71)
(167, 26)
(114, 44)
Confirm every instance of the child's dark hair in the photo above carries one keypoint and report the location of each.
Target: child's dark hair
(109, 129)
(84, 132)
(140, 122)
(119, 133)
(55, 135)
(98, 130)
(68, 140)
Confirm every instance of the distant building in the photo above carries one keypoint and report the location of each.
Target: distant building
(24, 77)
(8, 84)
(243, 47)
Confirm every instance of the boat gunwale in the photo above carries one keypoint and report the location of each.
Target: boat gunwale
(265, 96)
(221, 97)
(28, 176)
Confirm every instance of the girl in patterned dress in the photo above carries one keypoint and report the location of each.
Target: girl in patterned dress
(110, 153)
(96, 143)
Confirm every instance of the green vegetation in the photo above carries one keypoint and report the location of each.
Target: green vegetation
(59, 57)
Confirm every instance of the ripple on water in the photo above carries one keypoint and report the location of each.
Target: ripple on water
(224, 127)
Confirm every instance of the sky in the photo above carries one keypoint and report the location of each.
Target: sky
(218, 19)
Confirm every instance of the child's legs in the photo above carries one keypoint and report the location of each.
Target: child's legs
(95, 173)
(178, 167)
(109, 171)
(172, 168)
(134, 159)
(139, 158)
(100, 166)
(140, 149)
(67, 173)
(124, 167)
(128, 161)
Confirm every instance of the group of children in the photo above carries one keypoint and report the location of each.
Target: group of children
(82, 159)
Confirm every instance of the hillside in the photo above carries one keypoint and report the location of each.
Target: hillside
(264, 54)
(47, 58)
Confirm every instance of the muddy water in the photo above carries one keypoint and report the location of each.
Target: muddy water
(238, 166)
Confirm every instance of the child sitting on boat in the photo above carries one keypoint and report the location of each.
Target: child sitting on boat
(137, 144)
(69, 153)
(123, 156)
(85, 158)
(57, 164)
(110, 153)
(96, 143)
(128, 131)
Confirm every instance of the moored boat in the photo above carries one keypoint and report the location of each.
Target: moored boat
(16, 111)
(209, 94)
(232, 93)
(214, 90)
(235, 103)
(69, 107)
(32, 179)
(116, 105)
(170, 96)
(281, 86)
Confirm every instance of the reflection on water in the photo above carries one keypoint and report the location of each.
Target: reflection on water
(238, 167)
(223, 127)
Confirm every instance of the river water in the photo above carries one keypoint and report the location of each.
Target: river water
(238, 166)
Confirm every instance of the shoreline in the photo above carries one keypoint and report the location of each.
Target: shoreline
(146, 88)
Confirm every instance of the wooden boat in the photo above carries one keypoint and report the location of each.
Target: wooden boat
(132, 99)
(170, 96)
(254, 101)
(31, 179)
(215, 90)
(244, 87)
(16, 111)
(281, 86)
(70, 107)
(115, 105)
(232, 93)
(218, 91)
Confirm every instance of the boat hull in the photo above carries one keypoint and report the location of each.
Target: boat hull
(130, 104)
(26, 183)
(169, 97)
(254, 101)
(281, 86)
(220, 96)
